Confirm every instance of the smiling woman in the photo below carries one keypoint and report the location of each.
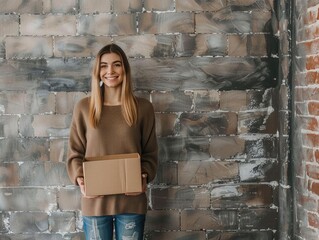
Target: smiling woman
(112, 121)
(111, 72)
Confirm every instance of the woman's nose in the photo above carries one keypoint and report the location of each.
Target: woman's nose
(110, 70)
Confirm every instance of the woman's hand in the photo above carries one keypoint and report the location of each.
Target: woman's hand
(80, 181)
(144, 186)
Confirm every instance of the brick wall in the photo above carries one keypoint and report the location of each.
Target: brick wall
(210, 70)
(306, 134)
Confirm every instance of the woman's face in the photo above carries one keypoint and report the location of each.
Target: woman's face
(111, 70)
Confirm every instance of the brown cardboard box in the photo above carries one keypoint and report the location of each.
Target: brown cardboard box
(112, 174)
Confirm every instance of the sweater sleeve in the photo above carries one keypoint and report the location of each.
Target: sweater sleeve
(149, 158)
(77, 145)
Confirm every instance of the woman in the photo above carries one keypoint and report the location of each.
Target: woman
(112, 121)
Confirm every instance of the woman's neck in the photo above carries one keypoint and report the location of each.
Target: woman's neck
(112, 96)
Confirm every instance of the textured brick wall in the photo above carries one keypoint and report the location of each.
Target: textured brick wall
(209, 68)
(306, 136)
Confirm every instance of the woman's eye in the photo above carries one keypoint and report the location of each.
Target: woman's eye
(118, 65)
(103, 66)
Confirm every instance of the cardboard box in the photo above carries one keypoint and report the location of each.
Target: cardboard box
(112, 174)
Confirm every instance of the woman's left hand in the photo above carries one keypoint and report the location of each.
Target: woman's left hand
(144, 186)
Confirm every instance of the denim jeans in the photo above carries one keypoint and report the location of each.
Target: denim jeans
(127, 227)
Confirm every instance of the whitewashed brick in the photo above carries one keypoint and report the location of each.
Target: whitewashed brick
(29, 47)
(9, 25)
(108, 24)
(95, 6)
(60, 6)
(40, 25)
(80, 46)
(21, 6)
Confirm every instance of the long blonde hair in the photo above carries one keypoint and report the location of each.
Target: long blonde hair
(128, 100)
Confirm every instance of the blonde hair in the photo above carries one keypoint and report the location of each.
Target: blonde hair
(128, 100)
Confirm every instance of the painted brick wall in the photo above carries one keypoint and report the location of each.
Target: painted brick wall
(306, 135)
(210, 70)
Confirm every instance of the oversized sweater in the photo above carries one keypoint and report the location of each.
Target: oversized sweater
(112, 136)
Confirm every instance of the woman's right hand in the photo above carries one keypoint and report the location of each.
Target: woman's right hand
(80, 181)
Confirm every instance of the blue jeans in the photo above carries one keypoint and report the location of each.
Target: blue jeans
(127, 227)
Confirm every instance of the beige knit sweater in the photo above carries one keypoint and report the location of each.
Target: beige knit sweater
(112, 136)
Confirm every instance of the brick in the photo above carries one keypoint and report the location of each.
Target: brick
(257, 45)
(241, 196)
(62, 222)
(9, 25)
(262, 170)
(261, 148)
(69, 198)
(24, 103)
(316, 154)
(196, 149)
(259, 21)
(4, 219)
(171, 149)
(8, 171)
(199, 74)
(37, 236)
(29, 47)
(65, 101)
(46, 125)
(24, 149)
(258, 219)
(315, 188)
(265, 235)
(312, 171)
(21, 6)
(68, 75)
(127, 6)
(185, 45)
(164, 220)
(179, 198)
(233, 100)
(94, 6)
(147, 46)
(310, 140)
(172, 101)
(238, 45)
(40, 25)
(120, 24)
(193, 5)
(58, 6)
(9, 126)
(25, 74)
(224, 147)
(200, 172)
(209, 219)
(206, 100)
(58, 150)
(166, 174)
(2, 48)
(182, 235)
(79, 46)
(258, 122)
(43, 174)
(21, 222)
(313, 220)
(27, 199)
(249, 5)
(208, 124)
(164, 5)
(165, 124)
(312, 62)
(210, 45)
(217, 23)
(313, 108)
(160, 23)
